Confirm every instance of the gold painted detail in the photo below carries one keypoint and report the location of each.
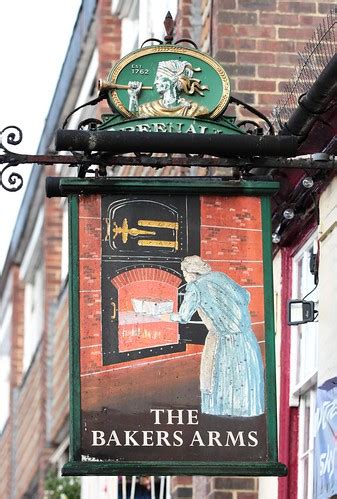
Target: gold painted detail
(113, 310)
(159, 244)
(159, 223)
(125, 232)
(103, 85)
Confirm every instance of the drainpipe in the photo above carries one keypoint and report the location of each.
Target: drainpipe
(314, 103)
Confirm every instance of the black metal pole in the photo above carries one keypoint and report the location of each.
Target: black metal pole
(229, 146)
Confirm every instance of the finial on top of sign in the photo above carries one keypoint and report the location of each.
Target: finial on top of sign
(169, 27)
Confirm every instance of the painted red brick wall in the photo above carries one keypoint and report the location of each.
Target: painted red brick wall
(231, 241)
(90, 283)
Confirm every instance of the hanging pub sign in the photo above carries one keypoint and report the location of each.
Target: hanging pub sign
(172, 335)
(172, 365)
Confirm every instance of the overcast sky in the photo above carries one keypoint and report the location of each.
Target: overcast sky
(34, 38)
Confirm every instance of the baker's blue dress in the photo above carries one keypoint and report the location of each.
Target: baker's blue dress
(231, 374)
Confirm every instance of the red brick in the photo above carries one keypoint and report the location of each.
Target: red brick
(240, 70)
(228, 4)
(297, 7)
(90, 237)
(237, 43)
(295, 33)
(282, 86)
(181, 480)
(257, 4)
(236, 18)
(310, 20)
(256, 57)
(225, 56)
(325, 8)
(275, 46)
(90, 359)
(286, 59)
(257, 31)
(234, 483)
(226, 30)
(90, 274)
(257, 85)
(273, 19)
(269, 99)
(248, 98)
(275, 72)
(90, 206)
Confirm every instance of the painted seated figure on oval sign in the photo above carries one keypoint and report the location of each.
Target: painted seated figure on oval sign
(231, 373)
(172, 79)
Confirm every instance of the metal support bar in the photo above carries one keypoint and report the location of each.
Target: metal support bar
(228, 146)
(242, 164)
(157, 162)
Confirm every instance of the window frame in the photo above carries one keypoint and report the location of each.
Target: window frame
(303, 381)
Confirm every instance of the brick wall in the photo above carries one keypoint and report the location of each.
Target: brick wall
(52, 247)
(28, 420)
(26, 428)
(17, 329)
(214, 487)
(5, 454)
(257, 42)
(16, 296)
(59, 371)
(109, 43)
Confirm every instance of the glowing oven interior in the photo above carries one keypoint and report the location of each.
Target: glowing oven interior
(144, 295)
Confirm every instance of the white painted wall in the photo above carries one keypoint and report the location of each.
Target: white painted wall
(327, 337)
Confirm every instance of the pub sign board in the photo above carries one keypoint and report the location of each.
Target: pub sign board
(172, 367)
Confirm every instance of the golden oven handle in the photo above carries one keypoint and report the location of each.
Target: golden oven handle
(113, 312)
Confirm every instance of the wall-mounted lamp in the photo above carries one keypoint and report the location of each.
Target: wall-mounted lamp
(300, 312)
(275, 237)
(308, 182)
(289, 213)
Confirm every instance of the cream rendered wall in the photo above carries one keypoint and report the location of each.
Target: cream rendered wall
(327, 336)
(268, 486)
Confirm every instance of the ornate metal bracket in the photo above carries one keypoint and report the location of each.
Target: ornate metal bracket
(10, 181)
(96, 162)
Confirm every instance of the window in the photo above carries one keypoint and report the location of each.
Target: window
(5, 333)
(304, 366)
(32, 274)
(141, 19)
(65, 241)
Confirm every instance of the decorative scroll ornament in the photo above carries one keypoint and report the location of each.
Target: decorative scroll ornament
(9, 180)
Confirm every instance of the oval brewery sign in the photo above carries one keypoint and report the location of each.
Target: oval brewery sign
(168, 81)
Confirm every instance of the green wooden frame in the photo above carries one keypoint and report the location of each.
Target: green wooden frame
(72, 187)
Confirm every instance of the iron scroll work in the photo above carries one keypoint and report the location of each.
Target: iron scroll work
(172, 367)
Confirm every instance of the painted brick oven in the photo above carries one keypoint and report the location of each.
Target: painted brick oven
(229, 238)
